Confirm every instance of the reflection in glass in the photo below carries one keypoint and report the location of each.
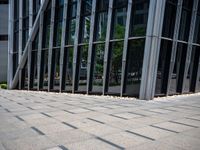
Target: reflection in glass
(98, 68)
(101, 20)
(134, 67)
(178, 72)
(163, 67)
(169, 19)
(190, 81)
(82, 67)
(115, 67)
(197, 30)
(119, 23)
(139, 18)
(33, 75)
(185, 20)
(68, 68)
(55, 69)
(44, 70)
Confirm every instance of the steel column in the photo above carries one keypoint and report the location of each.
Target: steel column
(76, 41)
(152, 48)
(51, 45)
(62, 49)
(90, 49)
(10, 43)
(190, 41)
(125, 47)
(107, 47)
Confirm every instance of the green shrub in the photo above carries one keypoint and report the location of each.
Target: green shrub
(3, 86)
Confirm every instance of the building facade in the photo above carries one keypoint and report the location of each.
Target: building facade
(3, 40)
(137, 48)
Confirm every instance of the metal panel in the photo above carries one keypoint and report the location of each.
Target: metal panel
(10, 43)
(152, 48)
(76, 41)
(90, 50)
(190, 41)
(107, 45)
(30, 46)
(64, 23)
(40, 40)
(125, 48)
(32, 36)
(20, 39)
(53, 4)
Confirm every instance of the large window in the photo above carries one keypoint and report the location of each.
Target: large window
(163, 67)
(134, 67)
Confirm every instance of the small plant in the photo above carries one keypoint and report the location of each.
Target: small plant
(3, 86)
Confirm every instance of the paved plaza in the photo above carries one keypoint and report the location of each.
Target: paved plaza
(53, 121)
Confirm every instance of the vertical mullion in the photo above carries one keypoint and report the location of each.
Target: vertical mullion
(51, 45)
(10, 43)
(30, 46)
(174, 45)
(76, 41)
(125, 47)
(107, 45)
(40, 41)
(90, 49)
(190, 41)
(20, 39)
(64, 24)
(152, 48)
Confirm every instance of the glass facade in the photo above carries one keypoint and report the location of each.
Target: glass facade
(104, 46)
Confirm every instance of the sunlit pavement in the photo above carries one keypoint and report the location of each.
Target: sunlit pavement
(53, 121)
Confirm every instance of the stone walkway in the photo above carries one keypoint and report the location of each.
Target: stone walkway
(51, 121)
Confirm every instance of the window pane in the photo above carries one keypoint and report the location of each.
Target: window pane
(139, 18)
(169, 19)
(134, 67)
(33, 76)
(98, 68)
(115, 67)
(178, 72)
(192, 72)
(163, 67)
(56, 69)
(119, 23)
(44, 70)
(82, 65)
(68, 69)
(197, 30)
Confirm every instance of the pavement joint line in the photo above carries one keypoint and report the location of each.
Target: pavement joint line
(63, 147)
(46, 114)
(37, 130)
(183, 124)
(30, 108)
(192, 119)
(88, 109)
(110, 143)
(96, 120)
(69, 111)
(118, 117)
(19, 118)
(137, 114)
(154, 111)
(6, 109)
(72, 126)
(169, 109)
(146, 137)
(164, 129)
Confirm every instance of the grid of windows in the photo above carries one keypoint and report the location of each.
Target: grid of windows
(96, 54)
